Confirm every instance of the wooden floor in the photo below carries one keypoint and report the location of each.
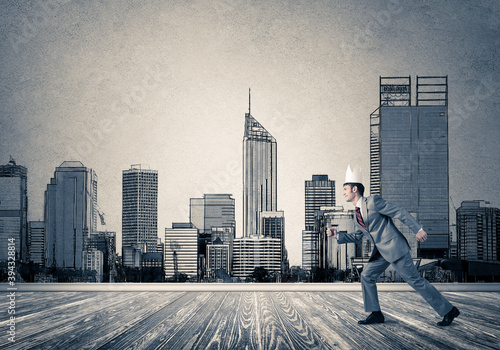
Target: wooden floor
(246, 320)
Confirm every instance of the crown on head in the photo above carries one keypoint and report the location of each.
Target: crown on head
(353, 176)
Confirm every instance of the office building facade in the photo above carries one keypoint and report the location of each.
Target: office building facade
(37, 242)
(409, 154)
(105, 242)
(328, 253)
(478, 228)
(319, 192)
(310, 249)
(224, 233)
(213, 210)
(271, 224)
(14, 209)
(132, 256)
(181, 251)
(93, 260)
(70, 210)
(255, 251)
(218, 258)
(140, 208)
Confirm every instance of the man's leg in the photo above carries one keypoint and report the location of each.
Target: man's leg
(369, 276)
(408, 271)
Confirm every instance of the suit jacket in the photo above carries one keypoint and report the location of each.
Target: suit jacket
(386, 238)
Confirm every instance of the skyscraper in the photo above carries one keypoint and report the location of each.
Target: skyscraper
(409, 154)
(140, 208)
(213, 210)
(478, 228)
(319, 192)
(70, 211)
(259, 174)
(14, 209)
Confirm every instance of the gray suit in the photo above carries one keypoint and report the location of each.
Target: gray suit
(390, 247)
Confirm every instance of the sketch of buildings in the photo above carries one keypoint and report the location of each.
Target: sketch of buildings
(70, 214)
(409, 154)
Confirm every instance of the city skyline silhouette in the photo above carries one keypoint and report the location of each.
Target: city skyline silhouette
(165, 85)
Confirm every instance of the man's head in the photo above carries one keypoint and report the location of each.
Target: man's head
(353, 191)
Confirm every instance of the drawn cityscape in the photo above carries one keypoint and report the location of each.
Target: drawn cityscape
(409, 165)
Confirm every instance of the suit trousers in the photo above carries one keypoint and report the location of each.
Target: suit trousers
(405, 267)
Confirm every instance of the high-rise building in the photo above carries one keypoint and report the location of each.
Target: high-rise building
(140, 208)
(271, 224)
(181, 251)
(409, 154)
(93, 260)
(226, 235)
(14, 209)
(218, 258)
(105, 242)
(259, 174)
(478, 228)
(261, 219)
(310, 249)
(453, 241)
(322, 251)
(37, 242)
(319, 192)
(70, 211)
(255, 251)
(339, 256)
(213, 210)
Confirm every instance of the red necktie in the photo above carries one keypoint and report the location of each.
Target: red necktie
(360, 218)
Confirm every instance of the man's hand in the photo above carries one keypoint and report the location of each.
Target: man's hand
(421, 236)
(331, 232)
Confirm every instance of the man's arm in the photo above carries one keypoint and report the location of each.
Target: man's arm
(344, 237)
(400, 213)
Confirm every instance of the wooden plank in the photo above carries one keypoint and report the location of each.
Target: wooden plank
(32, 302)
(272, 334)
(249, 320)
(335, 317)
(119, 320)
(417, 322)
(172, 325)
(64, 325)
(302, 335)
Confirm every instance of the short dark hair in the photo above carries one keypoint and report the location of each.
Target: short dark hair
(361, 188)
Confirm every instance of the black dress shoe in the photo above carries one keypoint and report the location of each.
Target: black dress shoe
(448, 318)
(375, 317)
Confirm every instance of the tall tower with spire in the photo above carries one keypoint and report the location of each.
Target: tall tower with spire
(259, 173)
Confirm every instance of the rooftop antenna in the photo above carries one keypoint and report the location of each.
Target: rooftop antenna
(249, 101)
